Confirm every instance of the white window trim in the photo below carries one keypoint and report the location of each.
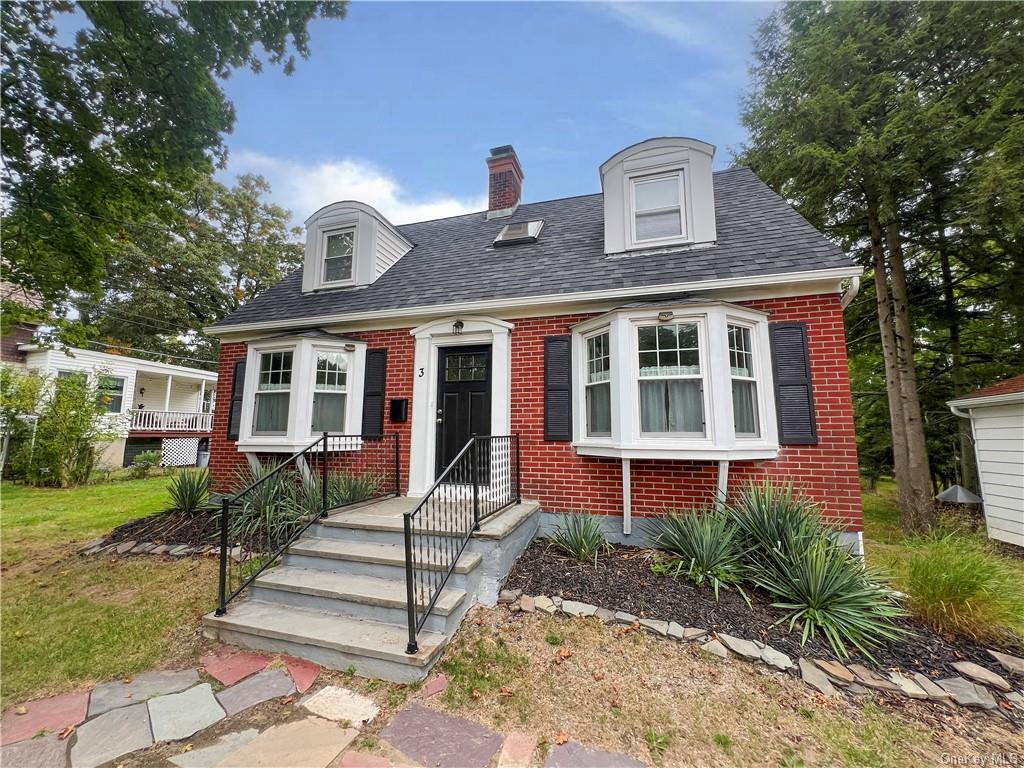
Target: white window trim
(719, 440)
(758, 363)
(300, 401)
(321, 259)
(640, 178)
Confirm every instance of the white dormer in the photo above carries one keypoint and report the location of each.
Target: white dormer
(657, 194)
(348, 244)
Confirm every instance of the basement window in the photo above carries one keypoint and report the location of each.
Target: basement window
(522, 232)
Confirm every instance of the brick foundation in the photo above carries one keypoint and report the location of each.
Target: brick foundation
(563, 481)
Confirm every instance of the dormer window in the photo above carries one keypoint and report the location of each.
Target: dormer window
(338, 252)
(658, 207)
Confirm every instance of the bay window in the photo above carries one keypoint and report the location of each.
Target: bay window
(273, 393)
(329, 390)
(671, 388)
(744, 383)
(690, 380)
(598, 386)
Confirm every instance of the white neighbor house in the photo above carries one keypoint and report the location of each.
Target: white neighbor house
(997, 425)
(152, 406)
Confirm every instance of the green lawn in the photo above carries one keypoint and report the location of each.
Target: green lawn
(69, 621)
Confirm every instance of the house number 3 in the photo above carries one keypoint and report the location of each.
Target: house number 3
(420, 374)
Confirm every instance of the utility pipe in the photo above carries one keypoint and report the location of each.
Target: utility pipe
(851, 292)
(627, 500)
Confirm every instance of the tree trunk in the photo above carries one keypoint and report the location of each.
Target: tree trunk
(917, 512)
(900, 460)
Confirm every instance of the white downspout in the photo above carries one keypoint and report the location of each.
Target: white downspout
(627, 500)
(851, 292)
(723, 480)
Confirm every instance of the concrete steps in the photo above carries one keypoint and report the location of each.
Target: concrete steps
(339, 595)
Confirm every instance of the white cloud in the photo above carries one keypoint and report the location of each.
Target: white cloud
(304, 188)
(662, 21)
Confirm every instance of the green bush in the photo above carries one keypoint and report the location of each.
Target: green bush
(773, 517)
(959, 585)
(342, 488)
(827, 590)
(707, 545)
(190, 491)
(271, 511)
(144, 463)
(580, 536)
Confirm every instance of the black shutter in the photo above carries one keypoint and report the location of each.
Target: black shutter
(791, 367)
(373, 391)
(558, 388)
(237, 390)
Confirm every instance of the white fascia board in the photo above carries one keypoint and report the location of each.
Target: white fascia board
(740, 288)
(976, 402)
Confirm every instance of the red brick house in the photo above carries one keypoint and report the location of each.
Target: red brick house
(672, 337)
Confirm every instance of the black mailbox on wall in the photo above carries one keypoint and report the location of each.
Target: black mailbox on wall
(399, 410)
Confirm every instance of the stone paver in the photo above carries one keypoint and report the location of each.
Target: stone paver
(777, 659)
(438, 739)
(310, 743)
(527, 604)
(935, 693)
(108, 696)
(1017, 699)
(968, 694)
(340, 704)
(508, 596)
(907, 686)
(675, 631)
(303, 672)
(45, 752)
(544, 604)
(716, 648)
(814, 677)
(872, 680)
(179, 715)
(605, 615)
(572, 754)
(353, 759)
(836, 671)
(656, 626)
(517, 750)
(621, 617)
(739, 646)
(1012, 664)
(435, 685)
(125, 546)
(230, 666)
(580, 610)
(53, 714)
(111, 735)
(207, 757)
(980, 674)
(693, 633)
(263, 686)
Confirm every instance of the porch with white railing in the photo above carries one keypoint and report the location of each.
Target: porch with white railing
(170, 421)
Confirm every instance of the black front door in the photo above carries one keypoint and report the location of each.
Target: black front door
(463, 399)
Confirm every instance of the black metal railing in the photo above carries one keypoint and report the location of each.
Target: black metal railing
(482, 480)
(281, 500)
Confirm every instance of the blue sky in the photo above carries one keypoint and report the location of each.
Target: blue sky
(400, 102)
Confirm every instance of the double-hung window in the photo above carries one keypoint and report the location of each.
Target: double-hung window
(744, 381)
(338, 251)
(599, 386)
(658, 207)
(330, 388)
(671, 382)
(273, 392)
(110, 393)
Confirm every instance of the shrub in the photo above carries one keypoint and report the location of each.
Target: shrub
(827, 589)
(707, 545)
(775, 517)
(271, 511)
(580, 536)
(959, 585)
(144, 463)
(190, 491)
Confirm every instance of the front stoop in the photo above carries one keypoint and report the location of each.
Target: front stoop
(338, 598)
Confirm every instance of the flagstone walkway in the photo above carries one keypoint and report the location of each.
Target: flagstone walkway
(87, 729)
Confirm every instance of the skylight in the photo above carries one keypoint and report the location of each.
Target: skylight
(522, 232)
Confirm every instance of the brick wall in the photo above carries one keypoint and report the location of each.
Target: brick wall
(562, 481)
(10, 341)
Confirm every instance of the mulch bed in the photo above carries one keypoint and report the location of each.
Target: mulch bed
(622, 580)
(201, 529)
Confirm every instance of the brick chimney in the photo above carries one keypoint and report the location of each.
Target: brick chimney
(504, 182)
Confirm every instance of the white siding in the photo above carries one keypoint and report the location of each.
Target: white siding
(999, 442)
(389, 250)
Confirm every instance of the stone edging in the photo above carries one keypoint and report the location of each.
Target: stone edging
(123, 548)
(976, 687)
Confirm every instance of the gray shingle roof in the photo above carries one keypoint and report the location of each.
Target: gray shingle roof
(453, 259)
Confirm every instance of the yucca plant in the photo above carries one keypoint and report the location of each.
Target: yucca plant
(189, 491)
(827, 590)
(269, 512)
(342, 489)
(707, 545)
(771, 517)
(581, 536)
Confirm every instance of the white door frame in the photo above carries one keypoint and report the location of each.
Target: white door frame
(429, 338)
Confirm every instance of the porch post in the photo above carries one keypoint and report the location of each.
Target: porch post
(202, 395)
(167, 396)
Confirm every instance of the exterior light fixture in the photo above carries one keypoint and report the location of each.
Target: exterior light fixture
(350, 347)
(664, 317)
(142, 390)
(457, 327)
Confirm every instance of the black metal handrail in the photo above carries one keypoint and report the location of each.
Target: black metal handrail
(334, 471)
(482, 480)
